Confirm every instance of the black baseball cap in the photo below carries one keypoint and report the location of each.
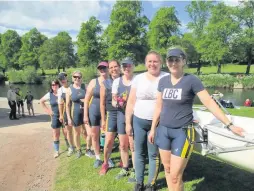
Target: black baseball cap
(127, 60)
(176, 52)
(62, 76)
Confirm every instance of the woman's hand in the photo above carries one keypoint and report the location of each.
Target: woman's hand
(69, 122)
(103, 125)
(236, 130)
(129, 130)
(50, 112)
(61, 119)
(151, 136)
(86, 120)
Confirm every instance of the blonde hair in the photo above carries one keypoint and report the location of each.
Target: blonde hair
(154, 53)
(77, 72)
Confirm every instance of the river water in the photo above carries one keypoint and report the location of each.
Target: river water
(237, 96)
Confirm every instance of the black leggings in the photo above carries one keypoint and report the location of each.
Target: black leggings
(13, 110)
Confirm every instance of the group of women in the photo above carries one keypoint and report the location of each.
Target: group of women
(151, 113)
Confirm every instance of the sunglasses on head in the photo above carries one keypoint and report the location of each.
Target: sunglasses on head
(78, 77)
(174, 59)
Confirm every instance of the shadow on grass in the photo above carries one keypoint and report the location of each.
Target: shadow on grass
(216, 175)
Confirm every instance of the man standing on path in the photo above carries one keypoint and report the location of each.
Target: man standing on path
(11, 96)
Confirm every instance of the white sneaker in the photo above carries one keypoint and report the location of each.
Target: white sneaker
(56, 154)
(110, 163)
(70, 151)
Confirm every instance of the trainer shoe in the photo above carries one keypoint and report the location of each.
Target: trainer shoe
(56, 154)
(104, 169)
(150, 187)
(89, 153)
(139, 187)
(79, 153)
(70, 151)
(97, 163)
(122, 174)
(132, 177)
(110, 163)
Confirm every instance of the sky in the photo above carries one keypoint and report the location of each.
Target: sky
(51, 17)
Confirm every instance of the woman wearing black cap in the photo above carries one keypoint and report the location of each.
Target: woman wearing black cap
(92, 115)
(173, 111)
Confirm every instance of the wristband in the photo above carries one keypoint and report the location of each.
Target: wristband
(227, 126)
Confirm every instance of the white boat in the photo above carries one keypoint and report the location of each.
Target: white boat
(212, 138)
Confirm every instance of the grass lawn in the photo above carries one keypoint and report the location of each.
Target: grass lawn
(201, 174)
(242, 111)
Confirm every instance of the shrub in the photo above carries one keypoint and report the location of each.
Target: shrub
(247, 81)
(218, 80)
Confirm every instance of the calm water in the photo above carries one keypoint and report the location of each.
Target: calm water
(237, 96)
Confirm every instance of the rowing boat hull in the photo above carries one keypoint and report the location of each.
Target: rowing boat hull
(218, 135)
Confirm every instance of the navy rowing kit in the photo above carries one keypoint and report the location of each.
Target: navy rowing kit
(176, 114)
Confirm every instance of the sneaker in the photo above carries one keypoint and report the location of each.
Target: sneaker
(70, 151)
(150, 187)
(97, 163)
(104, 169)
(56, 154)
(79, 153)
(139, 187)
(132, 177)
(110, 163)
(122, 174)
(89, 153)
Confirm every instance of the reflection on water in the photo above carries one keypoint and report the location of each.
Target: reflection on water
(237, 96)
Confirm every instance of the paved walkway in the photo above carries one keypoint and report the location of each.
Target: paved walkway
(26, 153)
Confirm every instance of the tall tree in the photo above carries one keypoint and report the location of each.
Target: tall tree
(31, 43)
(215, 43)
(126, 32)
(89, 46)
(244, 41)
(163, 29)
(10, 47)
(57, 52)
(199, 13)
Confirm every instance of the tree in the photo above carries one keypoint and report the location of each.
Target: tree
(89, 46)
(31, 43)
(199, 13)
(10, 47)
(163, 29)
(126, 32)
(57, 52)
(216, 40)
(244, 41)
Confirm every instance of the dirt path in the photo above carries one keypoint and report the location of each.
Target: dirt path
(26, 153)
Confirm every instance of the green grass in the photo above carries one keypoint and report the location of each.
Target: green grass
(227, 68)
(242, 111)
(202, 174)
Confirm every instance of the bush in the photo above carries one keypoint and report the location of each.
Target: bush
(247, 81)
(218, 80)
(28, 76)
(2, 78)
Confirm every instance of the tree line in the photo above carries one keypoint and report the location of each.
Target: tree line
(217, 34)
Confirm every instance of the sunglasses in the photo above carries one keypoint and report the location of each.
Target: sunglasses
(102, 68)
(53, 84)
(174, 60)
(79, 77)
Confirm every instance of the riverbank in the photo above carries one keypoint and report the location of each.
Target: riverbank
(26, 153)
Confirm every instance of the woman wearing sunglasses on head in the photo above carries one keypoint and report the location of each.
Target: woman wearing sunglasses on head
(92, 115)
(140, 107)
(51, 96)
(175, 97)
(75, 96)
(108, 114)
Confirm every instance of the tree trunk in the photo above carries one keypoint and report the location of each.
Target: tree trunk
(63, 69)
(58, 69)
(199, 67)
(219, 68)
(249, 61)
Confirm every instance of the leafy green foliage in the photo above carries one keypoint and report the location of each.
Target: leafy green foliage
(10, 47)
(126, 32)
(89, 45)
(31, 43)
(163, 29)
(57, 52)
